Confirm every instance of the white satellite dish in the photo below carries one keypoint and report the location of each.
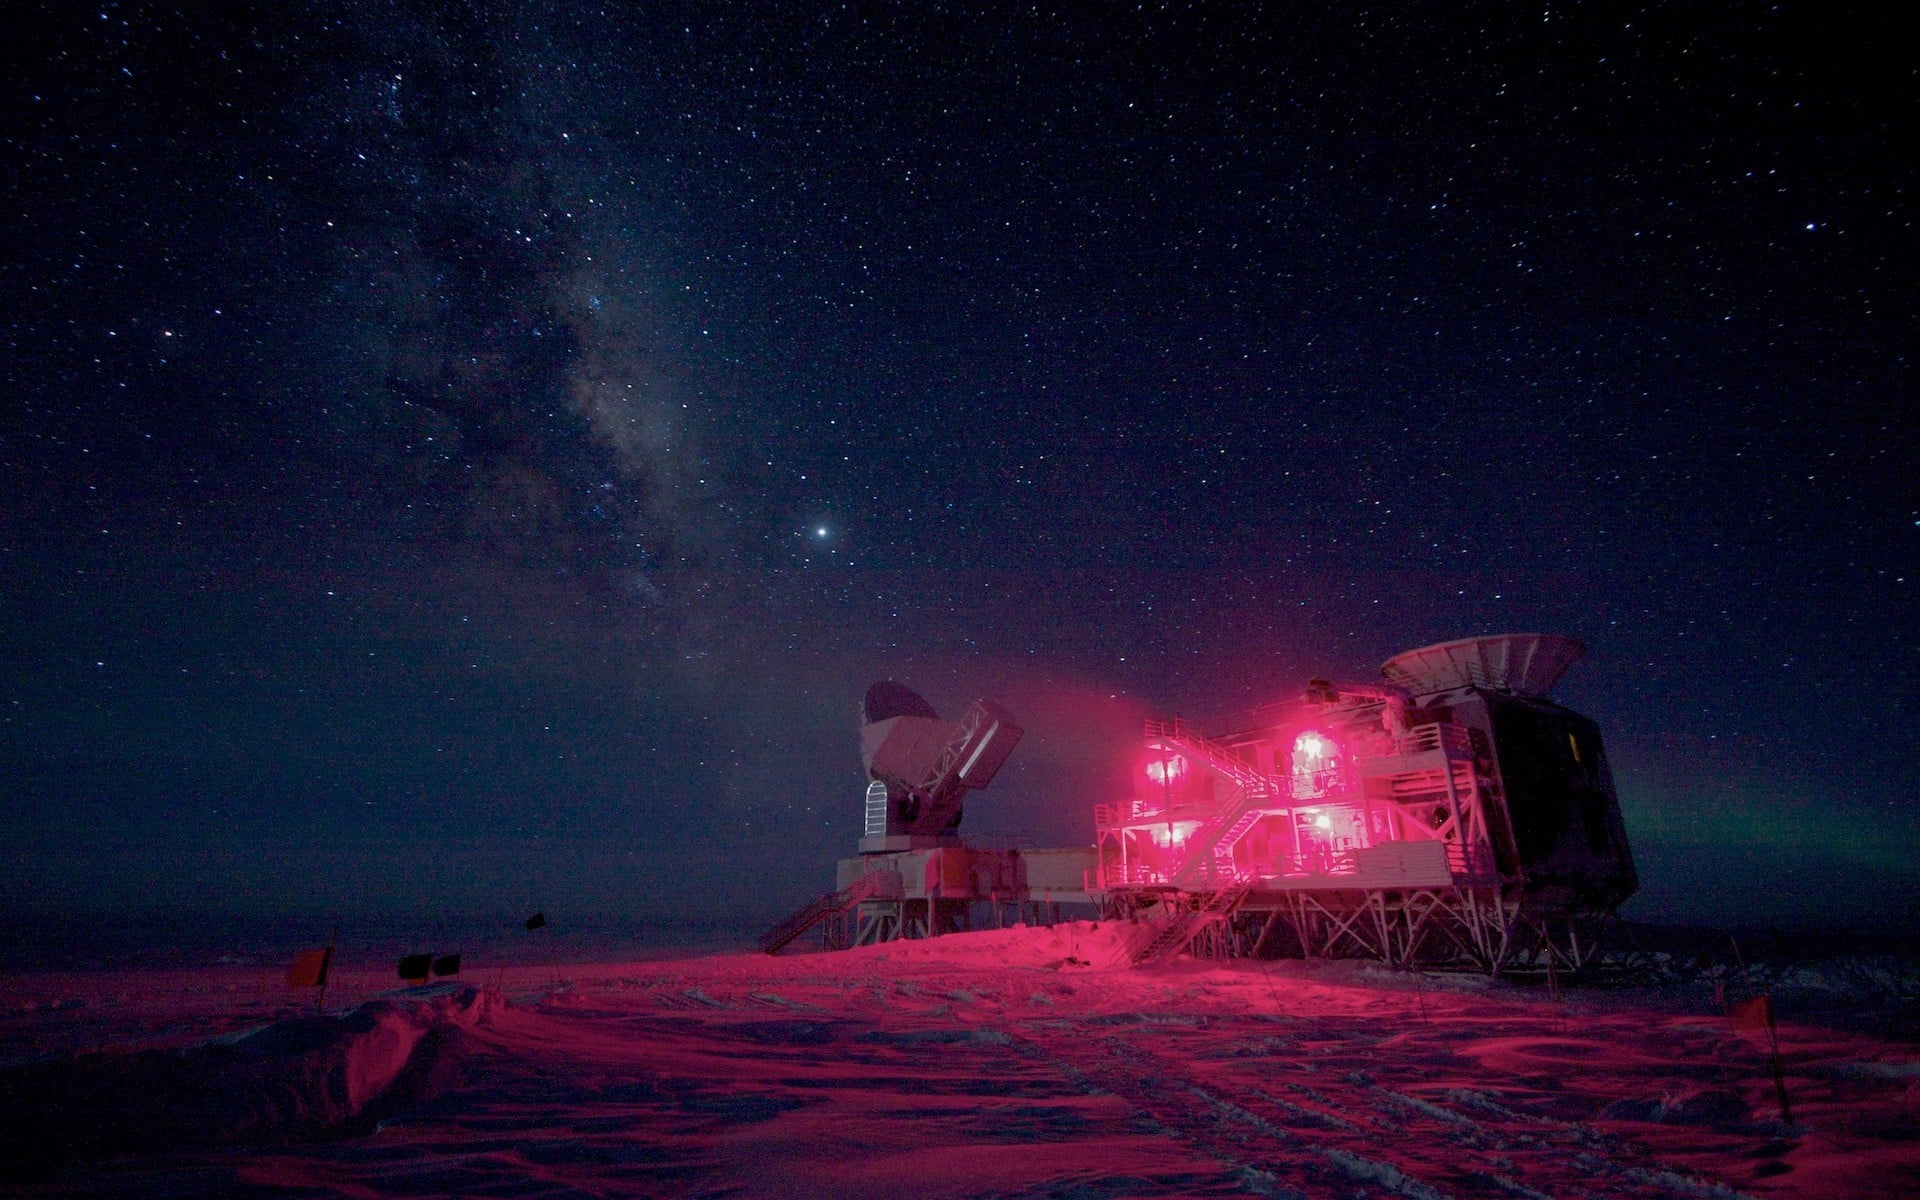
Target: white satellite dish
(1528, 664)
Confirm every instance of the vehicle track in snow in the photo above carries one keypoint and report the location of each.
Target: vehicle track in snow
(1294, 1109)
(1323, 1132)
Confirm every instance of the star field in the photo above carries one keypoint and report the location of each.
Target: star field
(488, 449)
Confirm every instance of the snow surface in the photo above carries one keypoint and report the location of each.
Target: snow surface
(1012, 1063)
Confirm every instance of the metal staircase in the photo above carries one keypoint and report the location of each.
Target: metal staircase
(1167, 938)
(1177, 737)
(819, 909)
(1209, 852)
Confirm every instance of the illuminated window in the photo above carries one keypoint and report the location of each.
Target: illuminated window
(1316, 765)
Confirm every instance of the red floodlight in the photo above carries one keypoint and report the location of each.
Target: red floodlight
(1316, 764)
(1166, 770)
(1174, 833)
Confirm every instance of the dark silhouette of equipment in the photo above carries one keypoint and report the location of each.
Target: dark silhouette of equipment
(913, 876)
(922, 767)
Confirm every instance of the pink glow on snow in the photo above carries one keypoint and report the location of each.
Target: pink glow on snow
(1019, 1062)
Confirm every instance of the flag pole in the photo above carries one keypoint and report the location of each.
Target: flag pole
(1553, 986)
(1779, 1076)
(1740, 960)
(1773, 1036)
(326, 970)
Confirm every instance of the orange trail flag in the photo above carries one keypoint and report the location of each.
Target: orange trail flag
(1755, 1014)
(310, 969)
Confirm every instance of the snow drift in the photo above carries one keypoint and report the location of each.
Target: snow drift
(288, 1081)
(1001, 1063)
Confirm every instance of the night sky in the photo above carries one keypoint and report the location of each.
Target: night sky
(458, 459)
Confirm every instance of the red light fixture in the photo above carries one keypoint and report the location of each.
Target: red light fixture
(1166, 770)
(1316, 764)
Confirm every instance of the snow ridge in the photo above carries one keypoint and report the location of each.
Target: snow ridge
(284, 1082)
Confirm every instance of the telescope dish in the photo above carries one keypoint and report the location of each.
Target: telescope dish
(888, 699)
(1527, 664)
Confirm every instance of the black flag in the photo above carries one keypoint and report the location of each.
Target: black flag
(414, 967)
(536, 920)
(447, 964)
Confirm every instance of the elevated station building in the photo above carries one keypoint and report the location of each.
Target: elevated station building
(1450, 812)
